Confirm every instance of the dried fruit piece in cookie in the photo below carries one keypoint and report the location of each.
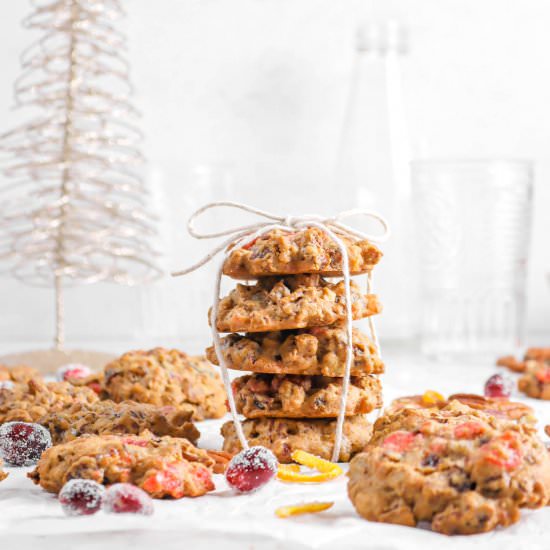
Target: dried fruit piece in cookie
(284, 436)
(293, 396)
(291, 253)
(125, 498)
(22, 444)
(460, 469)
(166, 377)
(30, 401)
(81, 497)
(127, 417)
(535, 382)
(315, 350)
(251, 469)
(73, 370)
(291, 302)
(19, 373)
(161, 466)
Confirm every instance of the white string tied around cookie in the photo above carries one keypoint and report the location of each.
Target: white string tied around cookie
(238, 236)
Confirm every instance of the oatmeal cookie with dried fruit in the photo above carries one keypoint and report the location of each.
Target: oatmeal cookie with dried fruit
(161, 466)
(19, 373)
(535, 381)
(30, 401)
(166, 377)
(532, 354)
(292, 253)
(501, 407)
(293, 396)
(128, 417)
(283, 436)
(312, 351)
(460, 469)
(291, 302)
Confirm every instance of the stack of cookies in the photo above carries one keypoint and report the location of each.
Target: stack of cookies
(289, 329)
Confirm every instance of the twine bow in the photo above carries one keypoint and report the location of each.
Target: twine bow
(335, 229)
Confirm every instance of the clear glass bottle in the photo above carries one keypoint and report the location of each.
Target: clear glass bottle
(372, 169)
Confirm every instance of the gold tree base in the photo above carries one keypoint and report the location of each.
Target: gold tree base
(48, 361)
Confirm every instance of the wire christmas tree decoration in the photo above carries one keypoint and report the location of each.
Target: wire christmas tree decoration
(75, 210)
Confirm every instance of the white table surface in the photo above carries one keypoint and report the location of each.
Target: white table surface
(31, 518)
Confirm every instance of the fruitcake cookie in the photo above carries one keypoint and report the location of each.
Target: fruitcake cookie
(292, 396)
(107, 417)
(19, 373)
(291, 253)
(161, 466)
(30, 401)
(535, 381)
(166, 377)
(312, 351)
(291, 302)
(532, 354)
(501, 407)
(460, 469)
(284, 436)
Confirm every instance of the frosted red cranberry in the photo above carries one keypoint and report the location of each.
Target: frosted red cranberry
(81, 497)
(22, 444)
(6, 385)
(498, 386)
(251, 469)
(73, 370)
(125, 498)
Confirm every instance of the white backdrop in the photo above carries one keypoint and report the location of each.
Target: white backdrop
(256, 90)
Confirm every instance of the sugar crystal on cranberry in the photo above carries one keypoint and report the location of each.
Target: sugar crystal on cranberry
(73, 370)
(81, 497)
(6, 385)
(251, 469)
(125, 498)
(498, 386)
(22, 444)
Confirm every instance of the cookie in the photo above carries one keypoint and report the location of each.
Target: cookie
(535, 381)
(532, 354)
(3, 475)
(292, 396)
(284, 436)
(291, 302)
(461, 469)
(501, 407)
(161, 466)
(166, 377)
(107, 417)
(292, 253)
(30, 401)
(19, 373)
(313, 351)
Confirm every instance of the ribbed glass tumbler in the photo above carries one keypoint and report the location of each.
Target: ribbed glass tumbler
(473, 225)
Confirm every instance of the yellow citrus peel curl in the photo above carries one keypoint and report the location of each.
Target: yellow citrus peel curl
(327, 470)
(299, 509)
(431, 397)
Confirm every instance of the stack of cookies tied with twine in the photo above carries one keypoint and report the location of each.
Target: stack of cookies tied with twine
(314, 377)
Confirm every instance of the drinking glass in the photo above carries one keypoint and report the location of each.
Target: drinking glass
(473, 226)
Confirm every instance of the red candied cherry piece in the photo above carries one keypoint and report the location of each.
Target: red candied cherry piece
(498, 386)
(503, 451)
(468, 430)
(73, 370)
(22, 444)
(125, 498)
(81, 497)
(399, 441)
(95, 386)
(169, 480)
(543, 375)
(136, 441)
(251, 469)
(250, 244)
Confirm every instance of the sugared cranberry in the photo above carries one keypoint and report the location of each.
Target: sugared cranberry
(251, 469)
(125, 498)
(73, 370)
(81, 497)
(6, 385)
(22, 444)
(498, 386)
